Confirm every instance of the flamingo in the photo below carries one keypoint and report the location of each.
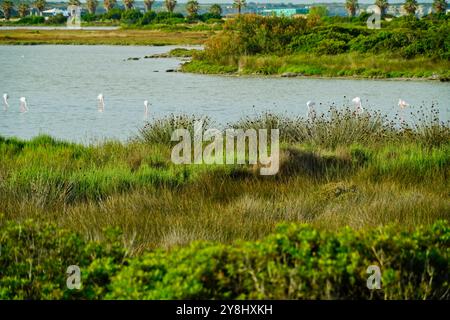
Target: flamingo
(146, 109)
(402, 105)
(311, 111)
(358, 105)
(23, 105)
(101, 103)
(5, 101)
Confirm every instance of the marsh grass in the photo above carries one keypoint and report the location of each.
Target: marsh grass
(339, 170)
(102, 37)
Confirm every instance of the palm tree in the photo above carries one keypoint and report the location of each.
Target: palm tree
(128, 4)
(92, 6)
(383, 5)
(239, 4)
(170, 5)
(440, 6)
(23, 9)
(351, 6)
(74, 3)
(109, 4)
(7, 7)
(192, 7)
(216, 10)
(40, 5)
(410, 6)
(148, 4)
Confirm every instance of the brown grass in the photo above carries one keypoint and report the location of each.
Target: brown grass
(108, 37)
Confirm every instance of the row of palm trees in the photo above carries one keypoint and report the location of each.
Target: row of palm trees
(192, 6)
(410, 6)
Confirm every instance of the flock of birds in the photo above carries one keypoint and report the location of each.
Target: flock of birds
(23, 107)
(311, 114)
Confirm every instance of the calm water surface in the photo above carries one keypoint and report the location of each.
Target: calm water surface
(61, 84)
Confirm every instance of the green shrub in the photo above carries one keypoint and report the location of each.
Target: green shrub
(34, 260)
(31, 20)
(148, 18)
(131, 16)
(56, 19)
(113, 14)
(89, 17)
(296, 262)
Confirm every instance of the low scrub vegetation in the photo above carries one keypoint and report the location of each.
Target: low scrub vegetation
(136, 224)
(403, 47)
(296, 262)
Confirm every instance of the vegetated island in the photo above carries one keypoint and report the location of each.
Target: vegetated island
(405, 47)
(314, 45)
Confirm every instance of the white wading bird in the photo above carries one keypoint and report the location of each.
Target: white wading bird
(145, 109)
(5, 101)
(402, 104)
(358, 105)
(311, 110)
(23, 105)
(101, 103)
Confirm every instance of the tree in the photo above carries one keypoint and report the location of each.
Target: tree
(74, 3)
(320, 11)
(109, 4)
(351, 6)
(148, 5)
(7, 7)
(440, 6)
(170, 5)
(216, 10)
(383, 5)
(192, 8)
(40, 5)
(23, 9)
(92, 6)
(410, 6)
(239, 4)
(128, 4)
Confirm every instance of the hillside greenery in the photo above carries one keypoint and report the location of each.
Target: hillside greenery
(329, 46)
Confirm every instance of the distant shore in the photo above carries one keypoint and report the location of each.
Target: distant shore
(97, 36)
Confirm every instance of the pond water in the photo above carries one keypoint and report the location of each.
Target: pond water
(61, 84)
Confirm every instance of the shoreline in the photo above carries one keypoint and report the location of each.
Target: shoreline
(303, 77)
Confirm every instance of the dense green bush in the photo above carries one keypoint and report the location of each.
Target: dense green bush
(131, 16)
(34, 260)
(210, 17)
(56, 19)
(296, 262)
(148, 18)
(406, 37)
(89, 17)
(113, 14)
(31, 20)
(169, 17)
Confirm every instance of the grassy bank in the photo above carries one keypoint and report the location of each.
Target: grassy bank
(339, 171)
(105, 37)
(131, 219)
(342, 65)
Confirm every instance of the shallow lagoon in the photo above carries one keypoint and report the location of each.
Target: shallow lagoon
(61, 84)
